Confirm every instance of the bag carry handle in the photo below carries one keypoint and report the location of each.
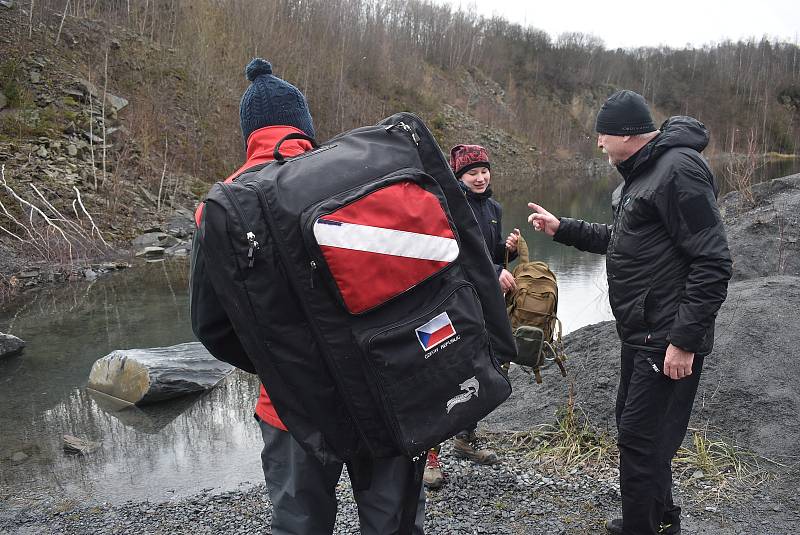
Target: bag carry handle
(294, 135)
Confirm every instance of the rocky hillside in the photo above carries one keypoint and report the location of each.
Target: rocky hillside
(99, 143)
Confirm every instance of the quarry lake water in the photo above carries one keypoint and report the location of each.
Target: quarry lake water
(181, 447)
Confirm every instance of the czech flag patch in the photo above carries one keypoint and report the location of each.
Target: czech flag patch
(435, 331)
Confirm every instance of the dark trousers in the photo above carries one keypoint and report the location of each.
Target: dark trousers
(303, 491)
(652, 415)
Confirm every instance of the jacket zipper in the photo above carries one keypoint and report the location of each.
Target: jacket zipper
(249, 235)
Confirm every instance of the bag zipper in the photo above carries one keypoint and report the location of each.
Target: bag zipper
(249, 235)
(410, 131)
(311, 322)
(430, 309)
(395, 426)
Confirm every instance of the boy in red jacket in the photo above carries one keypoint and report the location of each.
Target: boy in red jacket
(301, 488)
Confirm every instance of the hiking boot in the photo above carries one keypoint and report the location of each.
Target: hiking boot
(433, 478)
(614, 526)
(465, 445)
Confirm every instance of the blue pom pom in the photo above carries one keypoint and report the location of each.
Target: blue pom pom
(257, 67)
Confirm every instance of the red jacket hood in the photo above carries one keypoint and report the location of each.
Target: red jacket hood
(260, 146)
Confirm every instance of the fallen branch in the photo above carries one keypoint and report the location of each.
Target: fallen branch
(75, 227)
(11, 233)
(51, 234)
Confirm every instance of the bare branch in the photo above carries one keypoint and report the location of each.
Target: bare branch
(163, 174)
(60, 26)
(94, 227)
(30, 23)
(54, 210)
(11, 233)
(91, 136)
(36, 209)
(103, 112)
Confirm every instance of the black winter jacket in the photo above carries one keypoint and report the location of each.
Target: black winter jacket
(489, 215)
(667, 254)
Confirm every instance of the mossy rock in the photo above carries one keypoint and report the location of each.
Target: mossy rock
(70, 102)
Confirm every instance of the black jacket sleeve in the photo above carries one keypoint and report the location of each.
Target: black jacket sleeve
(210, 323)
(591, 237)
(688, 209)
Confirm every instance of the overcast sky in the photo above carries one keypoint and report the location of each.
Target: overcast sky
(675, 23)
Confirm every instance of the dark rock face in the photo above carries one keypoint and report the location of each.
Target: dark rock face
(749, 392)
(10, 345)
(765, 237)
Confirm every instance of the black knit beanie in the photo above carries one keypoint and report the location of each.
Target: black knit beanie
(625, 113)
(270, 101)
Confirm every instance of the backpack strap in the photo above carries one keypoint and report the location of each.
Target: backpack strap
(276, 153)
(557, 347)
(413, 487)
(522, 250)
(537, 374)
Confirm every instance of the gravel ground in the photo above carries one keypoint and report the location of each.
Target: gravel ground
(517, 496)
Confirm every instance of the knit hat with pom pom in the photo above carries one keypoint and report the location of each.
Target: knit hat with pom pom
(466, 157)
(270, 101)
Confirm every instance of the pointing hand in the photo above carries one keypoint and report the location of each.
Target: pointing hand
(542, 220)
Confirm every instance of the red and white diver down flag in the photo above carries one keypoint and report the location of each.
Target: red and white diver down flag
(385, 243)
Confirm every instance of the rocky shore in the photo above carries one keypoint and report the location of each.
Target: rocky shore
(519, 495)
(745, 419)
(745, 422)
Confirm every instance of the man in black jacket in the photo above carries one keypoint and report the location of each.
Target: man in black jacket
(668, 268)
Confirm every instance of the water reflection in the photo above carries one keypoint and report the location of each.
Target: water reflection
(158, 452)
(582, 286)
(766, 169)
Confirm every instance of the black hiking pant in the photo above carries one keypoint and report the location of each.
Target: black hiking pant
(652, 415)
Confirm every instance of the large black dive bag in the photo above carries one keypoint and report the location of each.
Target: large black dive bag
(357, 281)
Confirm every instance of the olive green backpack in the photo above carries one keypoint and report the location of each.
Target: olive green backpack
(532, 309)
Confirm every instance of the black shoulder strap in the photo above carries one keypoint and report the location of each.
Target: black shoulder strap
(276, 153)
(413, 487)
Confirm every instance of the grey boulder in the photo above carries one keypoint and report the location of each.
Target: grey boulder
(10, 345)
(142, 376)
